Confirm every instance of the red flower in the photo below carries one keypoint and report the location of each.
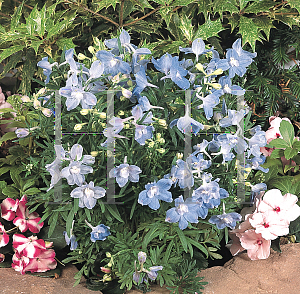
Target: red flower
(42, 263)
(8, 208)
(30, 247)
(4, 238)
(19, 262)
(26, 221)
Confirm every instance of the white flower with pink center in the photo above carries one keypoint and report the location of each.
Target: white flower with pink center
(257, 247)
(284, 207)
(269, 225)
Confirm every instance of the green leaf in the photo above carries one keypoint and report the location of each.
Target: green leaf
(209, 29)
(68, 42)
(28, 71)
(11, 50)
(294, 4)
(243, 3)
(221, 6)
(279, 143)
(4, 170)
(277, 153)
(36, 45)
(261, 6)
(264, 24)
(10, 191)
(186, 27)
(106, 4)
(275, 245)
(143, 4)
(53, 223)
(290, 152)
(249, 31)
(32, 191)
(287, 167)
(287, 131)
(48, 274)
(166, 14)
(182, 238)
(284, 184)
(16, 17)
(12, 62)
(234, 21)
(294, 226)
(112, 208)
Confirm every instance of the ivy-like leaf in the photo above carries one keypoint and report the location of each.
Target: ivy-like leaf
(294, 4)
(209, 29)
(186, 27)
(264, 24)
(249, 31)
(10, 51)
(261, 6)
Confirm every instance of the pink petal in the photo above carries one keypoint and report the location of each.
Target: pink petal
(33, 225)
(21, 224)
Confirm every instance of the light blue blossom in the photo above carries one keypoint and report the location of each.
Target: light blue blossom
(228, 88)
(88, 195)
(125, 172)
(237, 46)
(256, 162)
(113, 64)
(99, 233)
(183, 174)
(22, 132)
(154, 192)
(71, 241)
(145, 104)
(198, 48)
(226, 220)
(164, 63)
(141, 83)
(186, 123)
(74, 173)
(152, 274)
(234, 118)
(237, 63)
(183, 212)
(77, 94)
(47, 68)
(209, 102)
(143, 133)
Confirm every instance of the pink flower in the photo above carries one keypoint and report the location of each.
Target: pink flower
(19, 262)
(269, 225)
(26, 221)
(30, 247)
(284, 207)
(4, 104)
(2, 257)
(4, 238)
(42, 263)
(257, 247)
(8, 208)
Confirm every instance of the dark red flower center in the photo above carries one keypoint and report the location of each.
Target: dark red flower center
(266, 225)
(267, 148)
(259, 242)
(277, 209)
(277, 135)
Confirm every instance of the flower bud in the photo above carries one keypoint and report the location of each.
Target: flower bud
(22, 132)
(25, 99)
(94, 153)
(108, 254)
(36, 104)
(121, 112)
(109, 264)
(179, 155)
(84, 111)
(151, 144)
(47, 112)
(161, 141)
(161, 150)
(116, 79)
(107, 278)
(92, 49)
(126, 93)
(162, 122)
(216, 86)
(78, 127)
(217, 72)
(81, 56)
(158, 136)
(94, 58)
(102, 115)
(142, 257)
(105, 270)
(199, 66)
(41, 91)
(126, 126)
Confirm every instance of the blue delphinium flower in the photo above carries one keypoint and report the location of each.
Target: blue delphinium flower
(152, 274)
(71, 241)
(100, 233)
(198, 48)
(177, 74)
(141, 83)
(154, 192)
(237, 46)
(256, 162)
(113, 64)
(74, 173)
(234, 118)
(125, 43)
(209, 102)
(47, 68)
(228, 88)
(125, 172)
(76, 94)
(138, 63)
(164, 63)
(256, 189)
(258, 140)
(186, 123)
(225, 220)
(143, 133)
(88, 195)
(183, 174)
(198, 163)
(183, 212)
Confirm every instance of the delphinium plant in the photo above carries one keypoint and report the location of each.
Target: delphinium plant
(174, 135)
